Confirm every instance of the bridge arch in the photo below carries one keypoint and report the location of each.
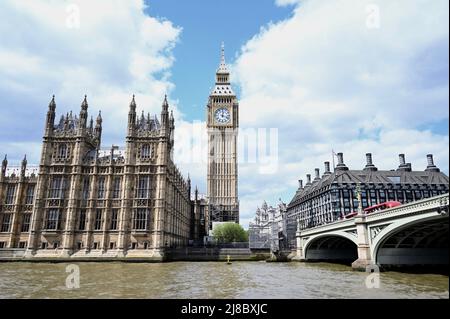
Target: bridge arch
(335, 246)
(413, 240)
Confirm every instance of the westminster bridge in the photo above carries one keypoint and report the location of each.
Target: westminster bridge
(411, 234)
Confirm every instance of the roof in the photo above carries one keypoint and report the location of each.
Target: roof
(393, 177)
(222, 90)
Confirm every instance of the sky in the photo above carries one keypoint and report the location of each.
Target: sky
(353, 76)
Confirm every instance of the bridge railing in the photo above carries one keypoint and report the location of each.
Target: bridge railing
(431, 203)
(427, 204)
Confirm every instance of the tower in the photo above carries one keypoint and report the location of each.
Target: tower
(222, 126)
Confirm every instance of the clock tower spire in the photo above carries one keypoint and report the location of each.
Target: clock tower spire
(222, 124)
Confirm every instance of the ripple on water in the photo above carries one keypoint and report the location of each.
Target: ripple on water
(212, 280)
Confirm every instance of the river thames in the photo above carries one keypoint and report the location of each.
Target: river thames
(213, 280)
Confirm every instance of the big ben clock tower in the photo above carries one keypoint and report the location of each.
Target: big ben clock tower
(222, 125)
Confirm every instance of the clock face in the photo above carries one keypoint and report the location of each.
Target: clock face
(222, 115)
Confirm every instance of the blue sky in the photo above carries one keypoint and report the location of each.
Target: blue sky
(205, 25)
(341, 75)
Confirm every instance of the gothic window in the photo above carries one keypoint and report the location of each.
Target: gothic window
(101, 188)
(26, 223)
(6, 223)
(10, 194)
(140, 219)
(146, 151)
(30, 195)
(57, 188)
(82, 220)
(62, 151)
(53, 219)
(86, 186)
(114, 216)
(98, 220)
(116, 187)
(143, 187)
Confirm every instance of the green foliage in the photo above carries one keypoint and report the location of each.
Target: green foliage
(230, 232)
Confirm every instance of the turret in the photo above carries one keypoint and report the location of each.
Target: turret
(188, 182)
(132, 117)
(165, 115)
(23, 166)
(91, 126)
(98, 128)
(50, 121)
(4, 165)
(83, 115)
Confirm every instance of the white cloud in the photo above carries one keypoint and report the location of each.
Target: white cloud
(326, 80)
(117, 50)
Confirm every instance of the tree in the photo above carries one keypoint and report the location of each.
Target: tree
(230, 232)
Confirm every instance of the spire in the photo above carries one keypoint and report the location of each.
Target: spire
(52, 104)
(24, 166)
(4, 164)
(223, 68)
(50, 121)
(133, 104)
(222, 56)
(84, 105)
(165, 114)
(99, 118)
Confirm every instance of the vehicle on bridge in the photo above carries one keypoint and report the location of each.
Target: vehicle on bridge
(382, 206)
(375, 208)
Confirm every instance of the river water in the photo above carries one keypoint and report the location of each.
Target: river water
(213, 280)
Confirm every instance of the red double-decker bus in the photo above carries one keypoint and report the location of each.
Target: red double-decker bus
(375, 208)
(382, 206)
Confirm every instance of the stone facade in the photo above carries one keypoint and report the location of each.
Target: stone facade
(85, 201)
(222, 125)
(330, 197)
(268, 229)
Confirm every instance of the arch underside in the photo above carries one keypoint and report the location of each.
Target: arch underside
(421, 243)
(331, 248)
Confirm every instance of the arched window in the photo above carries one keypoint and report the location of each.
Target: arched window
(146, 151)
(62, 151)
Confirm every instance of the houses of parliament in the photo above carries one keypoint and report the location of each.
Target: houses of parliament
(84, 201)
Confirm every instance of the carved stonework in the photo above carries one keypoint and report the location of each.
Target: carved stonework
(352, 232)
(374, 231)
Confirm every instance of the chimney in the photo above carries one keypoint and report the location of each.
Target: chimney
(300, 184)
(317, 172)
(341, 166)
(402, 159)
(431, 167)
(403, 165)
(369, 165)
(308, 179)
(327, 169)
